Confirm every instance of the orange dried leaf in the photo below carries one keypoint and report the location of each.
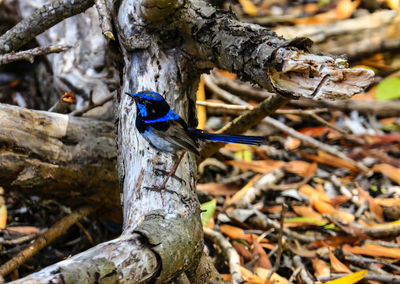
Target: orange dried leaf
(248, 7)
(338, 200)
(309, 191)
(323, 207)
(389, 202)
(201, 110)
(227, 74)
(346, 217)
(337, 265)
(217, 189)
(321, 268)
(389, 171)
(24, 230)
(234, 232)
(3, 210)
(262, 167)
(330, 160)
(263, 259)
(292, 143)
(393, 4)
(242, 251)
(345, 9)
(242, 192)
(307, 211)
(374, 250)
(300, 168)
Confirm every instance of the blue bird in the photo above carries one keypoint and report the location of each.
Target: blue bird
(168, 132)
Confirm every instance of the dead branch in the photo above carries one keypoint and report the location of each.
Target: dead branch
(391, 108)
(280, 242)
(45, 239)
(356, 37)
(30, 54)
(105, 18)
(303, 271)
(41, 20)
(230, 253)
(57, 156)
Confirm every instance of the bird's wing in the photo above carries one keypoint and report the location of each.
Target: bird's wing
(177, 135)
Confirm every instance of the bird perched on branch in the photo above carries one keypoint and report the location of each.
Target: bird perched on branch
(168, 132)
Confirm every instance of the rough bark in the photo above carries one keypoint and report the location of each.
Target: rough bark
(60, 157)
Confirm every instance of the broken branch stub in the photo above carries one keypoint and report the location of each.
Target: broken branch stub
(318, 77)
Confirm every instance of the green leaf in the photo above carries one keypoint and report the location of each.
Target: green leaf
(209, 206)
(306, 220)
(388, 89)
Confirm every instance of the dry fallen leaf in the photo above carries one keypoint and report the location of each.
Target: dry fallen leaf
(3, 210)
(23, 230)
(262, 167)
(374, 250)
(201, 110)
(389, 171)
(337, 265)
(234, 232)
(321, 268)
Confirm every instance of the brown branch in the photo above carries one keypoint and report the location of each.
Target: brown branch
(41, 20)
(30, 54)
(45, 239)
(280, 242)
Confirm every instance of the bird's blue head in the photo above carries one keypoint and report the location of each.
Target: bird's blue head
(150, 105)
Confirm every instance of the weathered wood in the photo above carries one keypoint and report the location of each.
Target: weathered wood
(356, 37)
(57, 156)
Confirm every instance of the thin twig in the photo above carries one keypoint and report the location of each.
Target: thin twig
(105, 18)
(45, 239)
(280, 242)
(92, 106)
(229, 252)
(30, 54)
(294, 274)
(303, 272)
(20, 240)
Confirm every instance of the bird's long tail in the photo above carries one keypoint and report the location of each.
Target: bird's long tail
(227, 138)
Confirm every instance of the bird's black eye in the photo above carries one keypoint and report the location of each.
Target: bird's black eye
(153, 110)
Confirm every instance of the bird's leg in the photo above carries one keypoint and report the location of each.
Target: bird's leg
(171, 173)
